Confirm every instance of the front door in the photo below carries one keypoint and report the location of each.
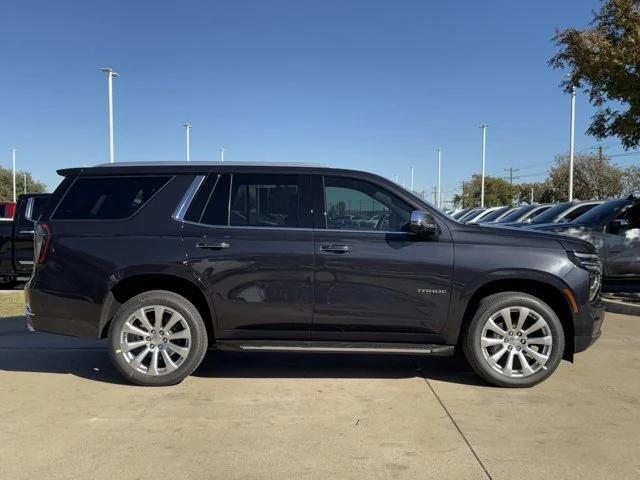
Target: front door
(374, 280)
(622, 248)
(248, 238)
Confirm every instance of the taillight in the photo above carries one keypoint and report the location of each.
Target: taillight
(41, 242)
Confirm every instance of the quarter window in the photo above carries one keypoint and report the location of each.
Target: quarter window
(358, 205)
(107, 198)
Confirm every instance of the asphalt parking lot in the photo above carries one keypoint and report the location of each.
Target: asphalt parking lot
(66, 414)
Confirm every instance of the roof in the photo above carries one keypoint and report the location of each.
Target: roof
(109, 168)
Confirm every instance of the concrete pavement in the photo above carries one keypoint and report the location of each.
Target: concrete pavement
(65, 414)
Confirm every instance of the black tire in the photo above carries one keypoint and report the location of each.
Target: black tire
(7, 283)
(191, 315)
(471, 340)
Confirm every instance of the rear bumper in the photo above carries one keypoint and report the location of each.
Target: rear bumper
(53, 313)
(588, 325)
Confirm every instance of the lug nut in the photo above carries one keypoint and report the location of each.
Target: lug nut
(148, 339)
(523, 341)
(519, 334)
(151, 346)
(153, 332)
(160, 347)
(518, 349)
(165, 340)
(506, 340)
(511, 333)
(510, 348)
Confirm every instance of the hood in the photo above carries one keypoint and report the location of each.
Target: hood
(530, 235)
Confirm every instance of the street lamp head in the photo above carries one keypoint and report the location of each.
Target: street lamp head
(109, 72)
(187, 125)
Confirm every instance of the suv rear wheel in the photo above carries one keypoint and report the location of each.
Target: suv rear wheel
(157, 338)
(514, 340)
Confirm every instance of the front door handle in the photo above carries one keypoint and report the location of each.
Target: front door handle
(214, 246)
(26, 232)
(336, 248)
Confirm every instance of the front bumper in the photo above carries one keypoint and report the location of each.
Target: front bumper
(588, 325)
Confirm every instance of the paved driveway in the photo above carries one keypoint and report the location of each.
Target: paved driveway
(65, 414)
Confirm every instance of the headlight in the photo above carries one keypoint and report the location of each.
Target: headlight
(592, 264)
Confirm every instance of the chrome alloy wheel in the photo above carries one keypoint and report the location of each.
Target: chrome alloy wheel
(155, 340)
(516, 342)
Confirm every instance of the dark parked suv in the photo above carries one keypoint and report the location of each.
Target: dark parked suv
(166, 260)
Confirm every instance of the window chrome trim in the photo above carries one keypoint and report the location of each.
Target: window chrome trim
(29, 210)
(297, 229)
(181, 210)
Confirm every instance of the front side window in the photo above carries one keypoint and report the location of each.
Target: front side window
(352, 204)
(265, 201)
(107, 198)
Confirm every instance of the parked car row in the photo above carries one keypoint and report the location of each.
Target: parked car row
(612, 226)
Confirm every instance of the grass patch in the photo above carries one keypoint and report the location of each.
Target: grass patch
(11, 304)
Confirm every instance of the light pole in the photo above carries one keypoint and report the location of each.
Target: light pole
(24, 176)
(439, 202)
(483, 126)
(572, 141)
(13, 160)
(187, 129)
(110, 76)
(222, 154)
(412, 178)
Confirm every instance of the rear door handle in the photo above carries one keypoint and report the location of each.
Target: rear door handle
(336, 248)
(26, 232)
(214, 246)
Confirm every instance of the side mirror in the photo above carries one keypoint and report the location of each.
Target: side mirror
(422, 223)
(618, 225)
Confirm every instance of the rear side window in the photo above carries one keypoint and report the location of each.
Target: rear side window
(107, 198)
(265, 200)
(576, 212)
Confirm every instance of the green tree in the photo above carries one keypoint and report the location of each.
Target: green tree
(594, 178)
(543, 192)
(604, 60)
(631, 181)
(6, 184)
(497, 191)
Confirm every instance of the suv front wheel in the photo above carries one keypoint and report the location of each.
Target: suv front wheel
(157, 338)
(514, 340)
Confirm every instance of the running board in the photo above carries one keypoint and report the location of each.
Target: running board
(335, 347)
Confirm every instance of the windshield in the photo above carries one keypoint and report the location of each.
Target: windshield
(601, 213)
(516, 214)
(490, 217)
(550, 215)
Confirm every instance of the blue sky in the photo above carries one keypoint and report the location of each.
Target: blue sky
(361, 84)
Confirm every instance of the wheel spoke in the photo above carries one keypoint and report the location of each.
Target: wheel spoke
(547, 340)
(128, 328)
(508, 367)
(490, 342)
(505, 313)
(158, 312)
(181, 335)
(153, 365)
(538, 357)
(526, 368)
(175, 318)
(182, 351)
(524, 313)
(142, 316)
(135, 363)
(493, 359)
(170, 365)
(493, 326)
(127, 347)
(540, 323)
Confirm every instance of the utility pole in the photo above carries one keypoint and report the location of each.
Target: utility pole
(187, 129)
(531, 196)
(572, 141)
(24, 175)
(435, 194)
(13, 161)
(396, 178)
(222, 154)
(600, 153)
(110, 76)
(511, 170)
(483, 126)
(439, 202)
(412, 178)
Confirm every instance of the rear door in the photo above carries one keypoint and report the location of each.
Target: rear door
(248, 237)
(27, 213)
(374, 280)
